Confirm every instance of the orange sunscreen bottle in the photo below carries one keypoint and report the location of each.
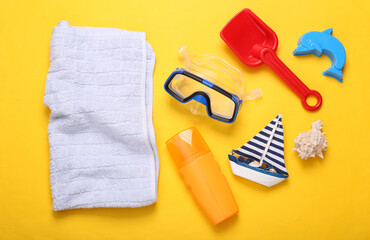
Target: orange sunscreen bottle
(202, 174)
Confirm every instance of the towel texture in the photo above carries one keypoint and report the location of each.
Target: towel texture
(102, 144)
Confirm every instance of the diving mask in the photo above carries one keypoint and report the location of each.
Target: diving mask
(212, 82)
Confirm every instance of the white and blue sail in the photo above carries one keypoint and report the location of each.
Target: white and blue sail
(267, 149)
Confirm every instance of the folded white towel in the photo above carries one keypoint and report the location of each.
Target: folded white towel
(102, 144)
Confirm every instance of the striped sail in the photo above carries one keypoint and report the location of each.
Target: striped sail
(274, 156)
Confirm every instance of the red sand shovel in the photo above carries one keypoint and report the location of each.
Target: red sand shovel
(255, 43)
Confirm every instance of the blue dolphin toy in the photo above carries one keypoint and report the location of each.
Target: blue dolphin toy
(323, 42)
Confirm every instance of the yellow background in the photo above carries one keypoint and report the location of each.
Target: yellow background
(322, 199)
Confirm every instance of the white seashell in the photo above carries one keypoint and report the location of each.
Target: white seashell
(311, 143)
(254, 164)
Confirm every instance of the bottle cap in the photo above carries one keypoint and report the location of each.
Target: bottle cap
(186, 146)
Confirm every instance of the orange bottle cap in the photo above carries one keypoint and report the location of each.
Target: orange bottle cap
(186, 146)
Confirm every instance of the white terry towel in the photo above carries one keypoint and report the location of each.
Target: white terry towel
(102, 144)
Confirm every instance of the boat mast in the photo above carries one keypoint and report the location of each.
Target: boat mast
(269, 141)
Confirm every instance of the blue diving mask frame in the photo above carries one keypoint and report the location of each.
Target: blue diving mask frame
(202, 96)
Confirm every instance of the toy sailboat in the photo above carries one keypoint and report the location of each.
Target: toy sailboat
(262, 158)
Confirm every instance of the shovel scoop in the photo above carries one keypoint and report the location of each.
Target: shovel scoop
(255, 43)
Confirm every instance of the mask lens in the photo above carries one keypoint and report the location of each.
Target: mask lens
(185, 86)
(221, 105)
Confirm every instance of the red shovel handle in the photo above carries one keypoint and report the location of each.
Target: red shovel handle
(268, 56)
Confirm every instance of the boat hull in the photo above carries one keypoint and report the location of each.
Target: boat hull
(255, 174)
